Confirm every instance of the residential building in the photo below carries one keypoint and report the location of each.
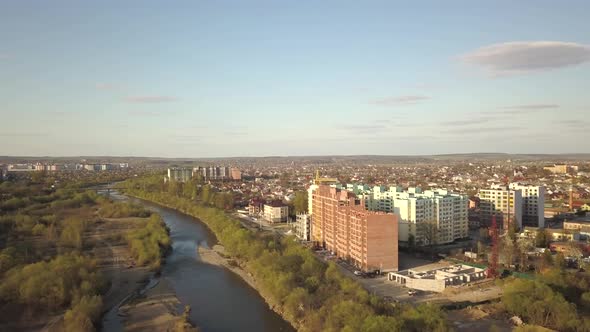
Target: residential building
(555, 234)
(214, 172)
(303, 227)
(276, 212)
(180, 174)
(561, 169)
(533, 208)
(256, 207)
(342, 224)
(505, 203)
(432, 216)
(235, 173)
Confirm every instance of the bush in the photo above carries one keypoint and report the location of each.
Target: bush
(123, 210)
(83, 315)
(149, 243)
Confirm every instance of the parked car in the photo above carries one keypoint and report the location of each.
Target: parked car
(358, 273)
(412, 292)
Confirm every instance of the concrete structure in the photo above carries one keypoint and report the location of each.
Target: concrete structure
(533, 199)
(438, 279)
(555, 234)
(235, 174)
(256, 207)
(561, 169)
(432, 216)
(342, 224)
(214, 172)
(276, 212)
(180, 174)
(505, 203)
(303, 227)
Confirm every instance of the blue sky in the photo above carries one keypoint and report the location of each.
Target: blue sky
(257, 78)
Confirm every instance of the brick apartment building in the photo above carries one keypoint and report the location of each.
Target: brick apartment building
(342, 224)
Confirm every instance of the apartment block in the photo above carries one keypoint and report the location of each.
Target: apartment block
(303, 227)
(505, 203)
(276, 212)
(432, 216)
(533, 199)
(216, 172)
(561, 169)
(179, 174)
(342, 224)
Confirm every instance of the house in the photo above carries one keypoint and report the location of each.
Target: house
(276, 212)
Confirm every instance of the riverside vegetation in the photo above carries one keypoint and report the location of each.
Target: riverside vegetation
(312, 295)
(46, 264)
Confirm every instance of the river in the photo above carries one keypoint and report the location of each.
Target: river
(220, 300)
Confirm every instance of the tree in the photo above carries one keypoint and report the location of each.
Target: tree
(559, 261)
(300, 202)
(411, 241)
(427, 231)
(541, 238)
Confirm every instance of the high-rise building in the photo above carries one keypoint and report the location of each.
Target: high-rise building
(503, 202)
(432, 216)
(303, 227)
(342, 224)
(235, 173)
(533, 209)
(215, 172)
(180, 174)
(561, 169)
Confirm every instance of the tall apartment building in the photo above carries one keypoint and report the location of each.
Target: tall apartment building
(533, 209)
(235, 173)
(303, 227)
(432, 216)
(503, 202)
(179, 174)
(342, 224)
(217, 172)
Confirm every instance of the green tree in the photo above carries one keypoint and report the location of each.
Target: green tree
(300, 202)
(541, 238)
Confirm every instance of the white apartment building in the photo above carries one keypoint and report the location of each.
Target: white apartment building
(180, 174)
(430, 216)
(276, 213)
(303, 227)
(503, 202)
(533, 209)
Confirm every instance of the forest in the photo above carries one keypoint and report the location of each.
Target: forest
(47, 263)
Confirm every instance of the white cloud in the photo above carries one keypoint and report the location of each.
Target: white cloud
(149, 99)
(528, 56)
(400, 100)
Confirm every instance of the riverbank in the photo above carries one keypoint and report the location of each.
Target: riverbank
(218, 257)
(157, 309)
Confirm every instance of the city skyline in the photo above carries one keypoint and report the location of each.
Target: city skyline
(269, 78)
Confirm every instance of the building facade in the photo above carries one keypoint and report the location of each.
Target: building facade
(276, 212)
(303, 227)
(431, 217)
(533, 200)
(342, 224)
(179, 174)
(505, 203)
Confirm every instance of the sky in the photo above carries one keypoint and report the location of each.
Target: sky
(259, 78)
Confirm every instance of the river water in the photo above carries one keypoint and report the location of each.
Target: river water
(220, 300)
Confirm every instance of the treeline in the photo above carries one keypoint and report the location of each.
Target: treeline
(67, 281)
(557, 299)
(123, 210)
(150, 243)
(314, 296)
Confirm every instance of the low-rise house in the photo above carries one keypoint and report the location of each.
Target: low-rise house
(276, 212)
